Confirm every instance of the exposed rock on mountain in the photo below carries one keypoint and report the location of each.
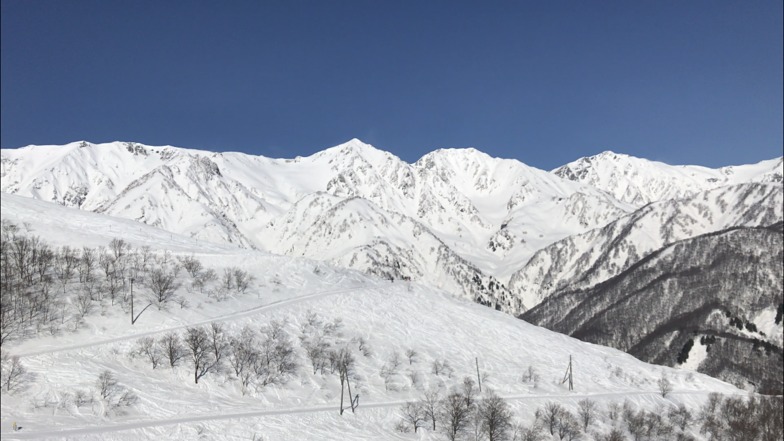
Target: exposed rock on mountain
(589, 258)
(709, 302)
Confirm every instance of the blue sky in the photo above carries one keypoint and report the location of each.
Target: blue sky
(545, 82)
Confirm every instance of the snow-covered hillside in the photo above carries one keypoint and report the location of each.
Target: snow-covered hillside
(720, 291)
(69, 354)
(586, 259)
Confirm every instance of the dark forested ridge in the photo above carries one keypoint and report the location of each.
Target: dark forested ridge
(709, 290)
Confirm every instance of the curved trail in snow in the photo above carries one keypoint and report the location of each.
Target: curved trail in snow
(220, 318)
(282, 412)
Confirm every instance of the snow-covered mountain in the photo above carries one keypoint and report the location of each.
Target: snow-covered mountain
(586, 259)
(640, 181)
(712, 301)
(66, 393)
(457, 219)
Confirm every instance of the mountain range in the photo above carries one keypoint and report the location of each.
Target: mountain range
(491, 230)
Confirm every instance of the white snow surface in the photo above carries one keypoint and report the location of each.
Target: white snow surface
(391, 316)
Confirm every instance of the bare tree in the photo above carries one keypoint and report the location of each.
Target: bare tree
(587, 411)
(635, 421)
(413, 414)
(412, 356)
(665, 386)
(614, 435)
(551, 415)
(147, 348)
(242, 356)
(442, 367)
(119, 248)
(218, 343)
(431, 404)
(172, 348)
(83, 303)
(87, 265)
(113, 394)
(242, 280)
(469, 392)
(105, 261)
(389, 369)
(276, 357)
(567, 427)
(163, 283)
(531, 376)
(197, 342)
(456, 415)
(363, 347)
(14, 375)
(680, 416)
(613, 411)
(496, 417)
(529, 433)
(66, 262)
(192, 265)
(227, 281)
(107, 384)
(203, 278)
(317, 338)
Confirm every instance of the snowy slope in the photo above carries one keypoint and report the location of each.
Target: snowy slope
(587, 259)
(640, 181)
(390, 316)
(706, 291)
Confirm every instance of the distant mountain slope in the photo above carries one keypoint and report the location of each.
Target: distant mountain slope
(640, 181)
(457, 218)
(583, 260)
(355, 233)
(483, 216)
(718, 293)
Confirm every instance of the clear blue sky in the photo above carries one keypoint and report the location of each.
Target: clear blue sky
(546, 82)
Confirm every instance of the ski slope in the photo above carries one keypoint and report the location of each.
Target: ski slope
(390, 316)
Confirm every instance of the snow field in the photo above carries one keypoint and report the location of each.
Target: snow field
(392, 317)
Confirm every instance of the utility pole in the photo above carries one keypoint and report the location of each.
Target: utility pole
(568, 375)
(133, 319)
(344, 382)
(478, 378)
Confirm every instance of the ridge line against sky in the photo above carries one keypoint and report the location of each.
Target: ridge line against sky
(696, 82)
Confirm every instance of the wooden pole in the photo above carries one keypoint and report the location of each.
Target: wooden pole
(568, 374)
(342, 386)
(132, 320)
(349, 393)
(478, 377)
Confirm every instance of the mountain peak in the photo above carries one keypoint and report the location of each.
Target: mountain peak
(609, 155)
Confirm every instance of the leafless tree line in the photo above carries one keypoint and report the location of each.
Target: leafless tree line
(464, 414)
(48, 289)
(254, 357)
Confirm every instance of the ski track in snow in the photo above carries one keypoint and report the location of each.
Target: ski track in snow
(221, 318)
(288, 411)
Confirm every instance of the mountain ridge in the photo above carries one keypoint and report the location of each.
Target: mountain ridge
(494, 214)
